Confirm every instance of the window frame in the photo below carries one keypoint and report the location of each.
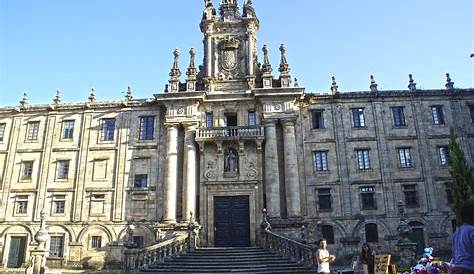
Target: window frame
(320, 161)
(323, 194)
(96, 242)
(28, 167)
(135, 185)
(146, 127)
(58, 248)
(107, 133)
(32, 131)
(399, 111)
(363, 159)
(370, 228)
(68, 129)
(319, 118)
(21, 205)
(437, 115)
(410, 195)
(358, 121)
(63, 171)
(56, 200)
(405, 158)
(443, 156)
(209, 120)
(252, 118)
(3, 128)
(367, 193)
(327, 231)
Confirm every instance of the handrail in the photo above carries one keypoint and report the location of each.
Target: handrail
(230, 132)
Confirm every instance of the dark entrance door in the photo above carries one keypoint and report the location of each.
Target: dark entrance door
(417, 236)
(231, 221)
(16, 254)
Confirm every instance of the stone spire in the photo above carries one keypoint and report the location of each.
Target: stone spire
(296, 83)
(175, 73)
(334, 86)
(449, 84)
(412, 84)
(57, 98)
(229, 9)
(373, 84)
(129, 94)
(24, 100)
(266, 67)
(92, 97)
(284, 69)
(192, 71)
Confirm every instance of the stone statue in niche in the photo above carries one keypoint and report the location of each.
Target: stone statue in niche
(231, 161)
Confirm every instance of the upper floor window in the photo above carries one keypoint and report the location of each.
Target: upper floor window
(230, 119)
(147, 128)
(404, 155)
(252, 118)
(56, 246)
(328, 233)
(411, 196)
(108, 129)
(363, 159)
(449, 193)
(438, 115)
(398, 116)
(68, 129)
(63, 169)
(371, 233)
(358, 117)
(443, 155)
(321, 160)
(471, 109)
(32, 131)
(367, 197)
(59, 204)
(209, 120)
(21, 205)
(317, 119)
(2, 131)
(96, 242)
(26, 170)
(141, 181)
(324, 199)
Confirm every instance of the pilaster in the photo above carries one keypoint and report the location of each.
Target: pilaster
(272, 178)
(291, 170)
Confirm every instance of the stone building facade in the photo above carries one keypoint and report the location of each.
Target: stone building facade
(220, 147)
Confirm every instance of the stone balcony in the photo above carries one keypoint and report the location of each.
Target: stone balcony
(230, 133)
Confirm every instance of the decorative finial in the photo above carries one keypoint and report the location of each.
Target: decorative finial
(192, 71)
(229, 8)
(266, 67)
(57, 98)
(24, 100)
(129, 94)
(334, 86)
(412, 84)
(449, 84)
(92, 97)
(296, 83)
(284, 67)
(373, 84)
(249, 11)
(175, 72)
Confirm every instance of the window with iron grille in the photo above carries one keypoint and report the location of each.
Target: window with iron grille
(26, 170)
(438, 115)
(96, 242)
(32, 132)
(141, 180)
(363, 160)
(321, 160)
(367, 197)
(358, 117)
(2, 131)
(108, 129)
(147, 127)
(252, 118)
(404, 155)
(371, 233)
(56, 246)
(443, 155)
(324, 199)
(21, 206)
(411, 195)
(209, 120)
(68, 129)
(63, 169)
(398, 116)
(328, 233)
(317, 119)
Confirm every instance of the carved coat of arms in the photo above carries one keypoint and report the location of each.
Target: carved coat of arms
(229, 53)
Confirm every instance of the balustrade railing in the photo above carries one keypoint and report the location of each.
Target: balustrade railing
(230, 132)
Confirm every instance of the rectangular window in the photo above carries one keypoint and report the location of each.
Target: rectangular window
(56, 244)
(443, 155)
(449, 194)
(63, 169)
(230, 119)
(438, 115)
(371, 233)
(367, 196)
(252, 118)
(363, 159)
(399, 116)
(59, 204)
(108, 129)
(321, 160)
(404, 155)
(147, 127)
(68, 129)
(96, 242)
(138, 241)
(358, 117)
(97, 204)
(411, 196)
(21, 206)
(317, 119)
(328, 233)
(209, 120)
(471, 109)
(32, 132)
(324, 199)
(2, 131)
(141, 181)
(26, 170)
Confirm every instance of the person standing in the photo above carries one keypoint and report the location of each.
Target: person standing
(324, 258)
(463, 242)
(367, 257)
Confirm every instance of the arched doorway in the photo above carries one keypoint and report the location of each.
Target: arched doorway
(417, 235)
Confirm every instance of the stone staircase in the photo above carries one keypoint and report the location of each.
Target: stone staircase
(229, 260)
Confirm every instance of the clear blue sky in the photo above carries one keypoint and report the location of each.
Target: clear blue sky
(110, 44)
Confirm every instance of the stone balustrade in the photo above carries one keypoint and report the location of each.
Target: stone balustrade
(230, 133)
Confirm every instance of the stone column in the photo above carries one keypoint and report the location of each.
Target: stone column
(189, 191)
(272, 177)
(292, 181)
(171, 181)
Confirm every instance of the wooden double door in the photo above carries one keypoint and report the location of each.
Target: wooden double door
(231, 221)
